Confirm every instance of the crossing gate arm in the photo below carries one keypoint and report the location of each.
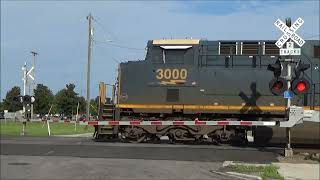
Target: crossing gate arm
(298, 115)
(175, 123)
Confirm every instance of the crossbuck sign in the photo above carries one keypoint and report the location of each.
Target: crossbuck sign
(289, 33)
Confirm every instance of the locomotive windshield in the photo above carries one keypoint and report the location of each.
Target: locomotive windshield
(171, 51)
(170, 54)
(174, 54)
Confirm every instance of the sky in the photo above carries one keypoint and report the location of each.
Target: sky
(58, 31)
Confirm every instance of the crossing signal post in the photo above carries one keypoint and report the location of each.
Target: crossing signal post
(287, 85)
(27, 101)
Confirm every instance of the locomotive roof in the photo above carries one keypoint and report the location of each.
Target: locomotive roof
(204, 41)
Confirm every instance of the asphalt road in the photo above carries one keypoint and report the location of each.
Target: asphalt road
(82, 158)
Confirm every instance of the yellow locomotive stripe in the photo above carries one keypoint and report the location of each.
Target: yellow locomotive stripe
(206, 107)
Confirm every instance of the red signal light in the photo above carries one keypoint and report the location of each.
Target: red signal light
(300, 86)
(277, 86)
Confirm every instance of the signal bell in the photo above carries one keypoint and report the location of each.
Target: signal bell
(278, 85)
(300, 86)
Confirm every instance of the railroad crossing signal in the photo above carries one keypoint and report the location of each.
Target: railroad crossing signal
(289, 32)
(24, 99)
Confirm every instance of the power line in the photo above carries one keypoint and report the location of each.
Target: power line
(118, 61)
(119, 46)
(113, 58)
(105, 29)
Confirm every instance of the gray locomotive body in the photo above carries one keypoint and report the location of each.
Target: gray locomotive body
(210, 79)
(184, 80)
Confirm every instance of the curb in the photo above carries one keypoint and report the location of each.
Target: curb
(246, 176)
(241, 175)
(231, 163)
(237, 175)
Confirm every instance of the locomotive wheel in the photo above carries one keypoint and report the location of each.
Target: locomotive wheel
(135, 139)
(155, 139)
(140, 139)
(172, 139)
(104, 137)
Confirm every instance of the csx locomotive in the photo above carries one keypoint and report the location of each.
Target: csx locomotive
(189, 79)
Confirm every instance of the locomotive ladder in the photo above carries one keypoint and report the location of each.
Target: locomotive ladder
(107, 115)
(106, 111)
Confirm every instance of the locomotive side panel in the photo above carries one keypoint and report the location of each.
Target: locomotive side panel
(200, 80)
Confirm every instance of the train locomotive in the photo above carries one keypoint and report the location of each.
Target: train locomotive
(191, 80)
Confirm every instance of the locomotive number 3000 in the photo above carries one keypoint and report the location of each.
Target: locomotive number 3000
(171, 74)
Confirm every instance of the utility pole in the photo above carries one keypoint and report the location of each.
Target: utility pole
(34, 80)
(90, 34)
(24, 79)
(25, 83)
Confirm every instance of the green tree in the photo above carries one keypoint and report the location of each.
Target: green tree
(66, 100)
(82, 105)
(94, 107)
(1, 106)
(9, 103)
(44, 99)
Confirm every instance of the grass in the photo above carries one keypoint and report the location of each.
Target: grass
(266, 172)
(38, 129)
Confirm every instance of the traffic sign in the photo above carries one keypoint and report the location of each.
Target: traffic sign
(288, 94)
(290, 51)
(289, 33)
